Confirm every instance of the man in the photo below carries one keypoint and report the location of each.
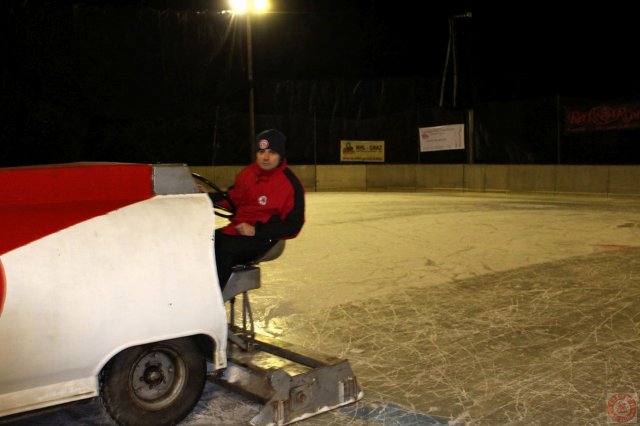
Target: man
(270, 206)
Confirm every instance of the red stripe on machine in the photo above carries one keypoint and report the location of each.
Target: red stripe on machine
(40, 200)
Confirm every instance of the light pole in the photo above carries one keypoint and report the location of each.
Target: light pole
(252, 114)
(249, 7)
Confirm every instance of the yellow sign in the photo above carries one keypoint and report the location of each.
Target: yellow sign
(364, 151)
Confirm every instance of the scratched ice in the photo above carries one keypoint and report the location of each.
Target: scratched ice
(452, 308)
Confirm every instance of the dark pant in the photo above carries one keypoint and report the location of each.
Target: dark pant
(232, 250)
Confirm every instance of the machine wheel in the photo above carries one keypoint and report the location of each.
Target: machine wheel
(154, 384)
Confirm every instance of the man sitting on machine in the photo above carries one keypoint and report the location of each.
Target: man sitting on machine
(269, 204)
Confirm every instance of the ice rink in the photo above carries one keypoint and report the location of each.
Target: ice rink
(472, 309)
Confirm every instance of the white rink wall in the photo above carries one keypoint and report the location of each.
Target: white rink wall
(608, 181)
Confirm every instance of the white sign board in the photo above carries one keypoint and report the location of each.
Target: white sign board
(440, 138)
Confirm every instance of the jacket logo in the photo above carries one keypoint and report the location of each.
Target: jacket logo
(262, 200)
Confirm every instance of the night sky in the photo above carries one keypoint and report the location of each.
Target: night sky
(72, 69)
(519, 51)
(514, 51)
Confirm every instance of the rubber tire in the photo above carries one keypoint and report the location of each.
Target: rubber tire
(173, 373)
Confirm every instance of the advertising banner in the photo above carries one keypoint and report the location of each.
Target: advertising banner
(602, 117)
(441, 138)
(362, 151)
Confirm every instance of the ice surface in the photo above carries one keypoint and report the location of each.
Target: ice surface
(452, 308)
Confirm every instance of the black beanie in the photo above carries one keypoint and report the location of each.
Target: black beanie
(271, 139)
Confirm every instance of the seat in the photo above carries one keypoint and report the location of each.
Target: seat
(246, 277)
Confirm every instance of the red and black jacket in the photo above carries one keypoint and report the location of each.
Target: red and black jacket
(271, 200)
